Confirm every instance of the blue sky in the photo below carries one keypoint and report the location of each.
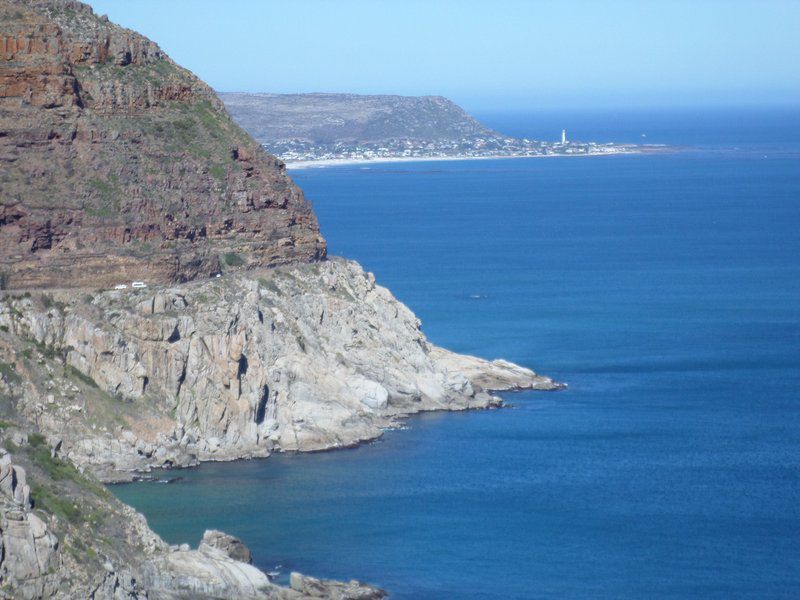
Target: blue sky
(500, 54)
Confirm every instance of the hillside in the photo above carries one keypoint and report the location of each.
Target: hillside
(117, 164)
(347, 118)
(333, 127)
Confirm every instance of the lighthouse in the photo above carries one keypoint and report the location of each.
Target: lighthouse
(563, 136)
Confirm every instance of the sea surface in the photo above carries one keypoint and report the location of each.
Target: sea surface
(663, 288)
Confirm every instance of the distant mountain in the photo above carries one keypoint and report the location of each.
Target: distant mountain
(325, 127)
(326, 119)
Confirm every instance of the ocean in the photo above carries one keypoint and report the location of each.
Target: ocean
(663, 288)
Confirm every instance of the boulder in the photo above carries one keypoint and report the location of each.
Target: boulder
(232, 546)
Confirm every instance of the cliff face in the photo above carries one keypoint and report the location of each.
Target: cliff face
(298, 358)
(116, 164)
(116, 383)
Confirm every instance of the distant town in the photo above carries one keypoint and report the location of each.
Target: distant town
(292, 151)
(305, 128)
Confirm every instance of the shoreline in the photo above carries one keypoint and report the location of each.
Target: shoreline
(151, 475)
(344, 162)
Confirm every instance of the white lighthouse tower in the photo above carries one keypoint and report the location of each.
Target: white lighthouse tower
(563, 136)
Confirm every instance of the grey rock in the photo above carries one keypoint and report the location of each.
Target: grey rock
(230, 545)
(307, 357)
(310, 587)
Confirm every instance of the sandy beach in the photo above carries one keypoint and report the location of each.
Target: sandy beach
(341, 162)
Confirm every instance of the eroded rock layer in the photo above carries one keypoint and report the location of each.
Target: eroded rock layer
(117, 165)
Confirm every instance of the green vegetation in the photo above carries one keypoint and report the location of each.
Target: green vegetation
(218, 172)
(74, 373)
(9, 372)
(233, 260)
(269, 285)
(50, 352)
(209, 117)
(48, 302)
(50, 500)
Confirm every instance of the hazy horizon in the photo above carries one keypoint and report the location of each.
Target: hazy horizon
(518, 56)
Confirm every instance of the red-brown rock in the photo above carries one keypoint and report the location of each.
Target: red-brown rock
(116, 164)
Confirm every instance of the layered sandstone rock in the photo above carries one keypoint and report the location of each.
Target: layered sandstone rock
(118, 165)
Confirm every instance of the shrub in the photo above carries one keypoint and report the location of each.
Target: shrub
(71, 371)
(9, 372)
(233, 260)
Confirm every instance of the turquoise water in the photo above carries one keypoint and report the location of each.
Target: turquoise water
(665, 289)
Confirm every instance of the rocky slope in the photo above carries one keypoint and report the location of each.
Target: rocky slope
(63, 536)
(116, 164)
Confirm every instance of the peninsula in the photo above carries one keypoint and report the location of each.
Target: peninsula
(329, 128)
(167, 299)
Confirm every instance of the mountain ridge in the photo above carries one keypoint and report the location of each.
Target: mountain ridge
(330, 117)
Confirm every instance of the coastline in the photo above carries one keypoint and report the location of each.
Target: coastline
(344, 162)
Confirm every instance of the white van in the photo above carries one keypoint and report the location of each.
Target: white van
(138, 284)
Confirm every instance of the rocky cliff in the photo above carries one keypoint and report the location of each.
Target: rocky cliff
(116, 164)
(307, 357)
(122, 382)
(63, 536)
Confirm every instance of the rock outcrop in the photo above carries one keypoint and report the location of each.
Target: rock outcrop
(118, 165)
(308, 357)
(231, 546)
(72, 539)
(309, 587)
(29, 555)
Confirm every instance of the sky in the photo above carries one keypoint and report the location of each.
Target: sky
(499, 54)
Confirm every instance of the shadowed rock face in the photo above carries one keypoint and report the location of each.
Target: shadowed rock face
(116, 164)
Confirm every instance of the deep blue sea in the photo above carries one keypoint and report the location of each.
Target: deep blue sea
(663, 288)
